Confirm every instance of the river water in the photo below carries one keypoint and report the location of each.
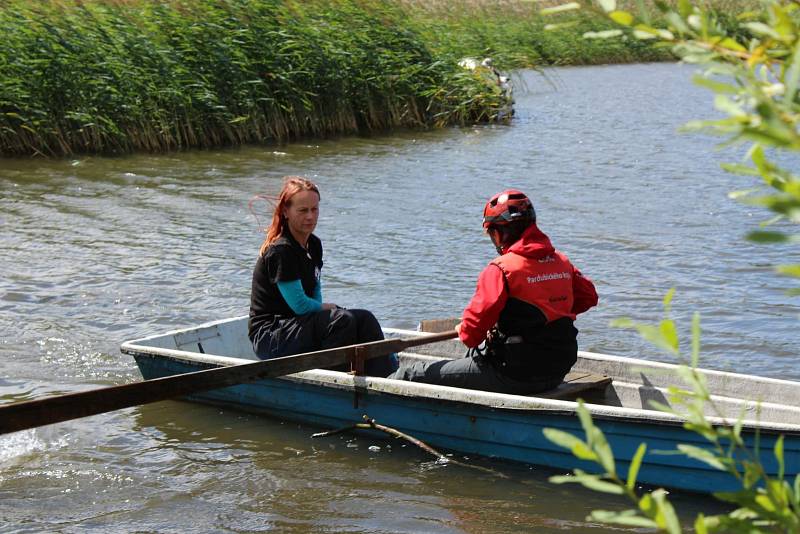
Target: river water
(96, 251)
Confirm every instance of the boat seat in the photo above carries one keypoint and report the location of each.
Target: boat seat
(587, 384)
(438, 325)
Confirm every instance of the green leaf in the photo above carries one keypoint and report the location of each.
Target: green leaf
(732, 44)
(605, 34)
(792, 77)
(677, 22)
(667, 301)
(594, 483)
(627, 517)
(643, 35)
(695, 339)
(571, 6)
(647, 505)
(655, 336)
(605, 456)
(562, 479)
(702, 455)
(782, 23)
(636, 462)
(700, 524)
(621, 17)
(586, 419)
(670, 334)
(583, 452)
(759, 158)
(765, 502)
(666, 517)
(714, 85)
(608, 5)
(790, 270)
(703, 429)
(726, 105)
(685, 8)
(741, 193)
(779, 456)
(560, 25)
(561, 438)
(759, 28)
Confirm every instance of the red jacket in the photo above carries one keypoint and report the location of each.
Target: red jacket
(533, 272)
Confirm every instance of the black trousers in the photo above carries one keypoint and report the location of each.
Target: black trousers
(325, 329)
(473, 372)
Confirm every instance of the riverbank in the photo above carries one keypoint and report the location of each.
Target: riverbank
(121, 76)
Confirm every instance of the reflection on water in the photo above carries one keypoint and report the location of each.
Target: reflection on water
(99, 250)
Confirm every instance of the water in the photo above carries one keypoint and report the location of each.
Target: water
(99, 250)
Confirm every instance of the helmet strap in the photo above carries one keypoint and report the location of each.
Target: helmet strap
(496, 235)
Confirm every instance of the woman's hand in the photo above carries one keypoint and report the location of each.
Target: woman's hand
(458, 329)
(329, 306)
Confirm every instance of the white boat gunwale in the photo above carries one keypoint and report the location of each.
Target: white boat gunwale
(497, 401)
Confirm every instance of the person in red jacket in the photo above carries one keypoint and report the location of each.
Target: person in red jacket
(519, 324)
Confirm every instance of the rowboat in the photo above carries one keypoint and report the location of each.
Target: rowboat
(616, 390)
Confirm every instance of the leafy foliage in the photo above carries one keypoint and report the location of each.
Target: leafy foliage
(752, 64)
(764, 504)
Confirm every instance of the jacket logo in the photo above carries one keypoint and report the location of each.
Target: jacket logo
(547, 277)
(546, 259)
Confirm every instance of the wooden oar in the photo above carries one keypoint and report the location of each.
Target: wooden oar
(38, 412)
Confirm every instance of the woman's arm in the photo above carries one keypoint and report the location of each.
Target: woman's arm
(300, 303)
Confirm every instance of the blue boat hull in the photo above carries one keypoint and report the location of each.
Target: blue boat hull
(509, 434)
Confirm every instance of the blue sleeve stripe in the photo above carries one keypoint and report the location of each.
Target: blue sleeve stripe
(300, 303)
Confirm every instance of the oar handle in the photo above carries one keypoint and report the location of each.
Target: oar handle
(38, 412)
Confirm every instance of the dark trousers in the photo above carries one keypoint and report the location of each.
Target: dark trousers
(473, 372)
(321, 330)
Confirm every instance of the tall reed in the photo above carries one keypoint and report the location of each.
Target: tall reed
(114, 77)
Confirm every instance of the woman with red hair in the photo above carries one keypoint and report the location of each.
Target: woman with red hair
(287, 314)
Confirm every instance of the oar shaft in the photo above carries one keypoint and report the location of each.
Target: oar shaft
(38, 412)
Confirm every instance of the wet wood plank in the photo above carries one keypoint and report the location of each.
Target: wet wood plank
(577, 382)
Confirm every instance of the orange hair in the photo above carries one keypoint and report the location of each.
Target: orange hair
(291, 186)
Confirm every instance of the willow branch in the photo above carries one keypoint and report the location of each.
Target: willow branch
(370, 424)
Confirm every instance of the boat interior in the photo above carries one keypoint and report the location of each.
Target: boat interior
(610, 385)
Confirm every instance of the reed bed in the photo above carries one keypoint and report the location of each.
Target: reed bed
(115, 77)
